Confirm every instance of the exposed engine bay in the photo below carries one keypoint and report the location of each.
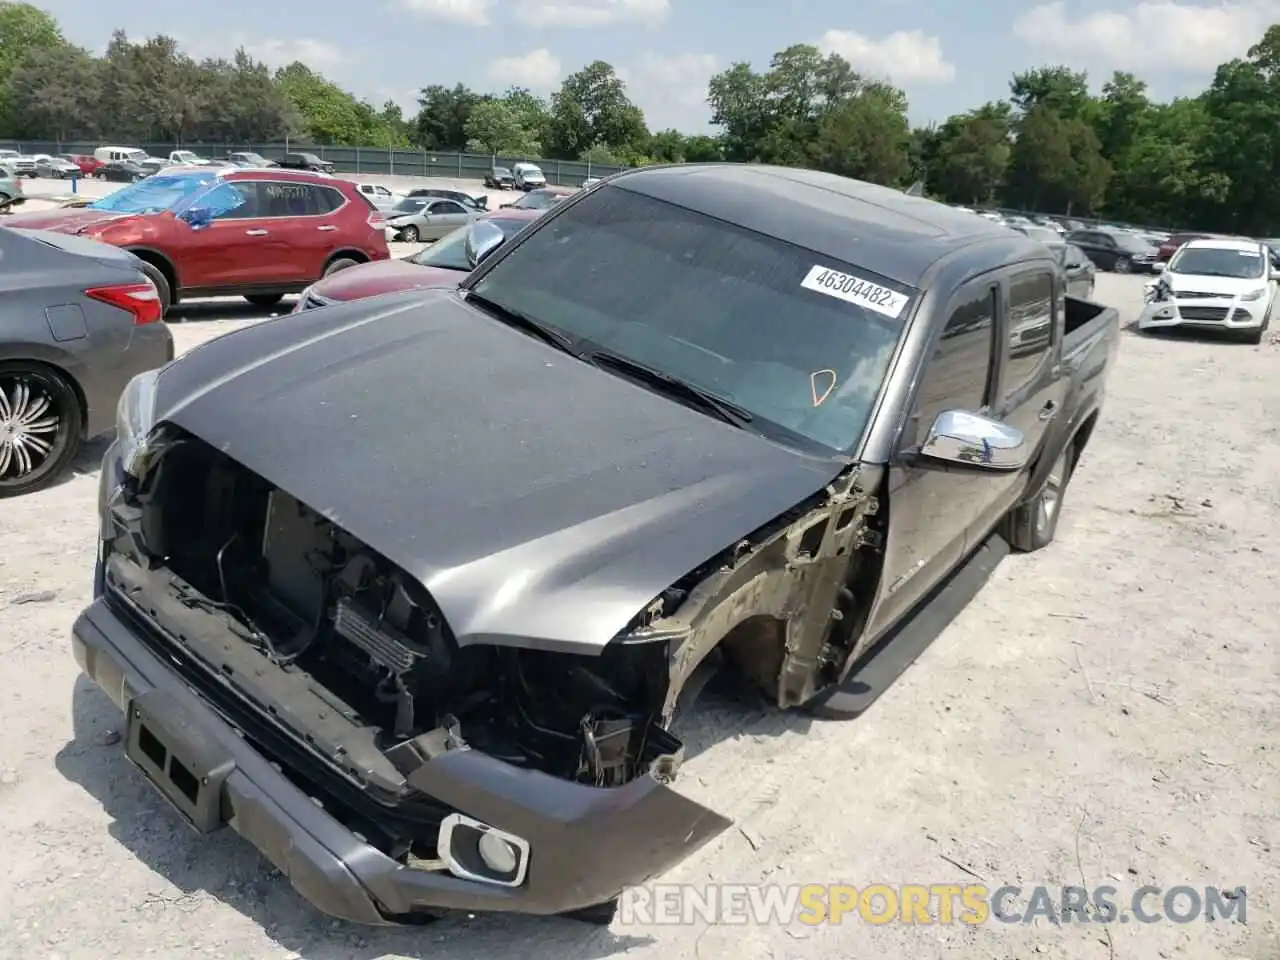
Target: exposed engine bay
(350, 655)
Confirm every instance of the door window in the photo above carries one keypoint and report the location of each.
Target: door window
(958, 374)
(227, 201)
(278, 198)
(445, 207)
(1030, 329)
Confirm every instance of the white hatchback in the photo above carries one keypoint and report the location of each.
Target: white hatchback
(1218, 284)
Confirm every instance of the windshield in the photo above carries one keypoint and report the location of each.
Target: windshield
(800, 341)
(450, 252)
(154, 194)
(1218, 262)
(537, 200)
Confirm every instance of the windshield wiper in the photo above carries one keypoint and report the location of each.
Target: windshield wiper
(522, 321)
(704, 400)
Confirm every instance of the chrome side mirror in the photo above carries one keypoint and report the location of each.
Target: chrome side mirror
(482, 239)
(971, 440)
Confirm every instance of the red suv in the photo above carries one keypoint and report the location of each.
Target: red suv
(212, 232)
(88, 165)
(1170, 246)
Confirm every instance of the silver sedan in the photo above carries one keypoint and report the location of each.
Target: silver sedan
(422, 218)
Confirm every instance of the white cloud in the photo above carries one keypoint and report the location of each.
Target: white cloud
(317, 54)
(671, 90)
(467, 13)
(591, 13)
(905, 56)
(538, 70)
(1161, 35)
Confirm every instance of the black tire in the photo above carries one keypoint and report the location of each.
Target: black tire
(409, 234)
(50, 435)
(600, 914)
(1032, 525)
(156, 275)
(264, 299)
(1122, 265)
(341, 263)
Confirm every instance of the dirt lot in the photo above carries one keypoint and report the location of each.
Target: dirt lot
(1104, 713)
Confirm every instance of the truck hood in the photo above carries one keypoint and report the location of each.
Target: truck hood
(384, 276)
(71, 220)
(543, 502)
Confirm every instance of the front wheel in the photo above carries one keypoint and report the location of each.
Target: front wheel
(40, 421)
(1123, 265)
(409, 235)
(1033, 525)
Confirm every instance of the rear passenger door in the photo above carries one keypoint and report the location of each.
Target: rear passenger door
(1030, 390)
(931, 510)
(305, 213)
(444, 217)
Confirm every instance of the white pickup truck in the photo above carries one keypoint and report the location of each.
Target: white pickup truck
(187, 158)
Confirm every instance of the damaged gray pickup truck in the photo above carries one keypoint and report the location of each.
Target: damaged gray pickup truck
(407, 591)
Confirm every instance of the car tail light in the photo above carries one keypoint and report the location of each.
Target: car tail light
(378, 220)
(140, 299)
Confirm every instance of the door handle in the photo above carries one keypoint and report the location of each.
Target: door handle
(326, 229)
(255, 233)
(1049, 411)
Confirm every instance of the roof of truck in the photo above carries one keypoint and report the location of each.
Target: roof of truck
(864, 224)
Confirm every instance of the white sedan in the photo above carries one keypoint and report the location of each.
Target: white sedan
(1214, 284)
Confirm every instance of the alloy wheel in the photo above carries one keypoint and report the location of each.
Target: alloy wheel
(30, 424)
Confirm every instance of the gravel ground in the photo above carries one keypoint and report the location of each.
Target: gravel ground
(1104, 710)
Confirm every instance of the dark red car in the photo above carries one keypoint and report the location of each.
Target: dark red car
(444, 263)
(206, 232)
(88, 164)
(1170, 246)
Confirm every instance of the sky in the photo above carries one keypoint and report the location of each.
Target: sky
(948, 55)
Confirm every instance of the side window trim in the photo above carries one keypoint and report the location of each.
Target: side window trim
(908, 432)
(1007, 392)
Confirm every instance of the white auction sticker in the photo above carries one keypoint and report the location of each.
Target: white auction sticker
(856, 290)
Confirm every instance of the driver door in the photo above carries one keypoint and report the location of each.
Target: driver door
(238, 247)
(442, 217)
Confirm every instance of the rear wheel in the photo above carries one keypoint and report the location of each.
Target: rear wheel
(1033, 525)
(156, 276)
(40, 421)
(265, 299)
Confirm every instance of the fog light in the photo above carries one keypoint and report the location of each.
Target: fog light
(472, 850)
(498, 855)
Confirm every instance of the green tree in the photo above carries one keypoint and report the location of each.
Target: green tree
(498, 127)
(443, 114)
(53, 93)
(24, 29)
(592, 109)
(865, 136)
(972, 155)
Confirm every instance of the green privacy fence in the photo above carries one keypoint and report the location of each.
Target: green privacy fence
(368, 160)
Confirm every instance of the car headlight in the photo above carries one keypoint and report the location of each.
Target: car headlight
(1254, 294)
(135, 416)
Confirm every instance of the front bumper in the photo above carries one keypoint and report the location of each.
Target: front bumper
(1220, 313)
(586, 844)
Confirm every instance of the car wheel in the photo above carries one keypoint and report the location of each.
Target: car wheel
(1033, 525)
(1123, 265)
(156, 276)
(264, 299)
(600, 914)
(340, 264)
(409, 234)
(40, 421)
